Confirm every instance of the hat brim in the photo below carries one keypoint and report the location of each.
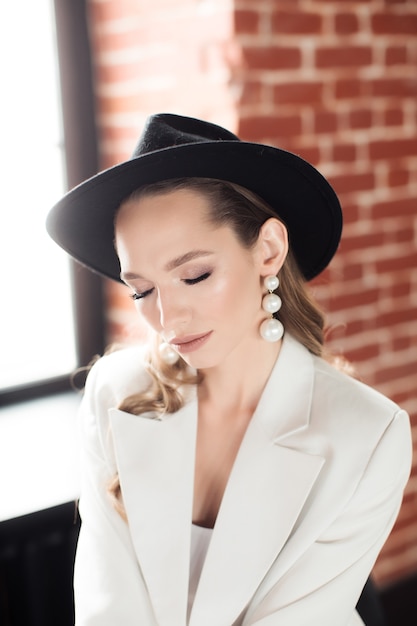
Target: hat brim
(82, 222)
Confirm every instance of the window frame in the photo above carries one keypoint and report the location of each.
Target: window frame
(81, 162)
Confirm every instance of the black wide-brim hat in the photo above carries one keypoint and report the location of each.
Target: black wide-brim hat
(173, 146)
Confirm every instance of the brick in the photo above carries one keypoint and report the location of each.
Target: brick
(343, 56)
(401, 343)
(396, 55)
(115, 73)
(389, 23)
(344, 152)
(311, 154)
(111, 133)
(246, 21)
(271, 57)
(351, 271)
(348, 88)
(251, 92)
(398, 177)
(400, 290)
(347, 183)
(360, 118)
(100, 12)
(346, 23)
(404, 207)
(354, 327)
(397, 264)
(363, 353)
(271, 127)
(402, 397)
(325, 122)
(389, 87)
(393, 373)
(398, 316)
(298, 93)
(296, 23)
(362, 242)
(349, 301)
(392, 148)
(114, 104)
(351, 213)
(393, 117)
(117, 40)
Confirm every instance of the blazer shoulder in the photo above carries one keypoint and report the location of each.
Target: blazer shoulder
(357, 411)
(361, 423)
(347, 392)
(112, 378)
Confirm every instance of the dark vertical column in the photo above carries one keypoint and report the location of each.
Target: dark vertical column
(78, 107)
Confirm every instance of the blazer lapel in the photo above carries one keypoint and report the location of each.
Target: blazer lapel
(268, 486)
(267, 489)
(155, 460)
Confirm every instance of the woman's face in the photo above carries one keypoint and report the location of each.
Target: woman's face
(192, 280)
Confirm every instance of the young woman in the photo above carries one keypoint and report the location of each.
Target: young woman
(231, 475)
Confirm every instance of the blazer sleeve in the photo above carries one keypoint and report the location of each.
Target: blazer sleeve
(324, 584)
(108, 585)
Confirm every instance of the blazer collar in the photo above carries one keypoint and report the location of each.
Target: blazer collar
(268, 486)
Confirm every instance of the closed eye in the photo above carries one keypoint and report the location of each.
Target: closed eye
(140, 296)
(198, 279)
(188, 281)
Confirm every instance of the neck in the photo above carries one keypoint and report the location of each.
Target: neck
(238, 382)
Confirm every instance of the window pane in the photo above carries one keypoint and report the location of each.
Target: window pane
(37, 327)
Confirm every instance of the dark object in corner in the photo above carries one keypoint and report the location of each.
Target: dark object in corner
(36, 567)
(370, 606)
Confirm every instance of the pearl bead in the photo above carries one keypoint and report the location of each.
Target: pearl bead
(271, 303)
(271, 330)
(271, 283)
(168, 354)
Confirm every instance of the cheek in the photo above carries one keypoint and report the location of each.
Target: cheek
(148, 313)
(219, 300)
(230, 296)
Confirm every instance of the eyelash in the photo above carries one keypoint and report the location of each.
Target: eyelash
(187, 281)
(199, 279)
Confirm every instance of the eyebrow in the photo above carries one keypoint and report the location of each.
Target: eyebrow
(173, 264)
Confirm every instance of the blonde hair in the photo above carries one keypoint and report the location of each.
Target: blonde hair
(245, 213)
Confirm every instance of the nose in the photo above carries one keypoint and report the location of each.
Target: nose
(174, 313)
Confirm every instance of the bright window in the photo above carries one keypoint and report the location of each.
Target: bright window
(37, 327)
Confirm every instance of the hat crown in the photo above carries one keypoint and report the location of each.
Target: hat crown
(165, 130)
(171, 147)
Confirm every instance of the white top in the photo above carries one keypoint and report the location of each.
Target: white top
(200, 540)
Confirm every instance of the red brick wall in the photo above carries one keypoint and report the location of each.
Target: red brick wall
(336, 82)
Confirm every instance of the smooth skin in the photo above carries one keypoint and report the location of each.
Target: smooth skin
(196, 285)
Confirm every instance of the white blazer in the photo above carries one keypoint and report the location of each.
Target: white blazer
(313, 494)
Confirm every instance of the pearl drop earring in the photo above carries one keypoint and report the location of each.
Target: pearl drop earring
(168, 354)
(271, 329)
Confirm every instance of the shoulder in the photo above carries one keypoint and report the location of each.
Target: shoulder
(115, 376)
(111, 379)
(359, 419)
(339, 390)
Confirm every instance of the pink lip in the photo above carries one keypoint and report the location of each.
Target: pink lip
(190, 342)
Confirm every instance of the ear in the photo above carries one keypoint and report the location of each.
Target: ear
(272, 246)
